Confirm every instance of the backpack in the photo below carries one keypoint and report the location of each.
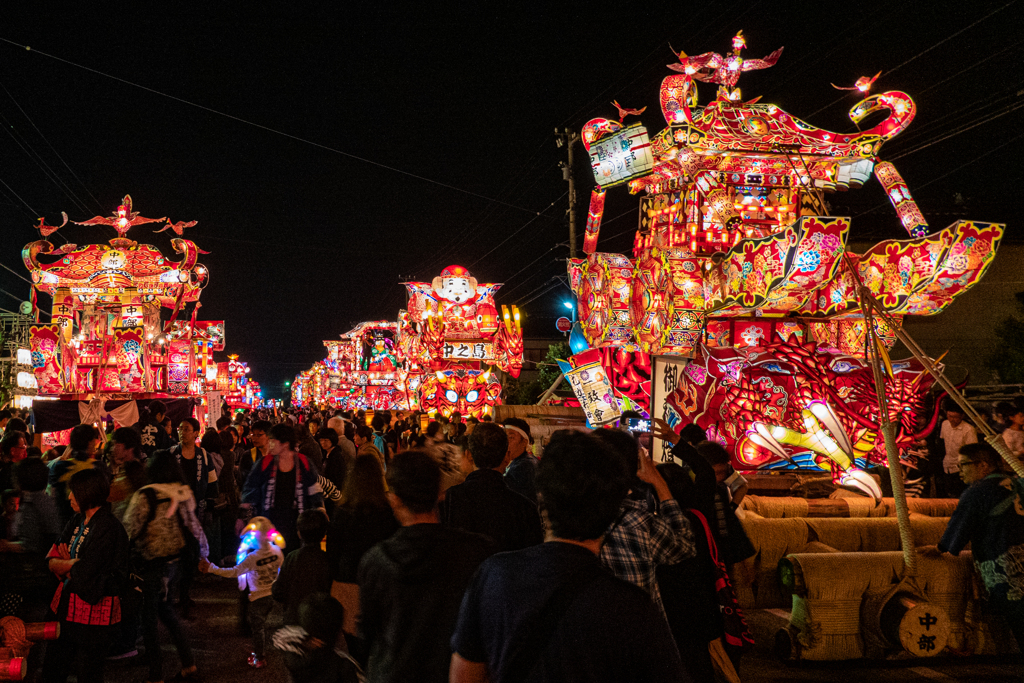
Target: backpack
(141, 563)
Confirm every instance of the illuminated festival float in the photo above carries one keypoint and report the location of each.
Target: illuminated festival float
(451, 332)
(741, 303)
(366, 369)
(106, 338)
(439, 356)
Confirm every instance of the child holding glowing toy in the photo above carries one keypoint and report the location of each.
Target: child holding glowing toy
(258, 560)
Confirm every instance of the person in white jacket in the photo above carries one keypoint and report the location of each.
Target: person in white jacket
(259, 561)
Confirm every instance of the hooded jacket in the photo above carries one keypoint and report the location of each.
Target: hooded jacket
(411, 587)
(162, 537)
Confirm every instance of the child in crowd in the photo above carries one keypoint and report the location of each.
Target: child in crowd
(258, 570)
(11, 498)
(311, 649)
(305, 570)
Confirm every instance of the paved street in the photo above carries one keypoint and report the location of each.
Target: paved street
(221, 654)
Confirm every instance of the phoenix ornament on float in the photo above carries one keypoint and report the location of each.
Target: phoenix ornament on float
(735, 252)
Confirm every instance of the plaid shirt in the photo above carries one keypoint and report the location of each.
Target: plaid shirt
(640, 540)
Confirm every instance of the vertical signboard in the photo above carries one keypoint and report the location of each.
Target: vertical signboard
(665, 377)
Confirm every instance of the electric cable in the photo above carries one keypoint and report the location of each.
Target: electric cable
(921, 54)
(268, 129)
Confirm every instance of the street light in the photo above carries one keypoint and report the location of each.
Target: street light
(572, 307)
(567, 304)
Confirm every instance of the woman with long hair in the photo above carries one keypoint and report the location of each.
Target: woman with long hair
(363, 520)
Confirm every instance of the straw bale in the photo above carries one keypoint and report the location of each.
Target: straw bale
(828, 617)
(773, 539)
(933, 507)
(776, 507)
(947, 582)
(865, 507)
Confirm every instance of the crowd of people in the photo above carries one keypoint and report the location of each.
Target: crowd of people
(458, 551)
(393, 552)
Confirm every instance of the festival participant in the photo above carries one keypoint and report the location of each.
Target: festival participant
(338, 424)
(259, 435)
(161, 522)
(91, 559)
(309, 649)
(955, 433)
(447, 455)
(18, 425)
(5, 417)
(308, 446)
(152, 433)
(229, 495)
(336, 462)
(13, 448)
(522, 466)
(639, 541)
(482, 504)
(989, 517)
(411, 585)
(283, 484)
(377, 425)
(1013, 435)
(200, 476)
(260, 569)
(688, 589)
(83, 444)
(364, 442)
(363, 520)
(125, 448)
(306, 569)
(36, 528)
(551, 612)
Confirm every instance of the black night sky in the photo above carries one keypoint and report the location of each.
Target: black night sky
(455, 105)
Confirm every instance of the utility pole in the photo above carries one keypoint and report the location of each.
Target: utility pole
(569, 138)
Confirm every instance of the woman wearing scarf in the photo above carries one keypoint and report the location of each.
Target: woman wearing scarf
(283, 484)
(91, 559)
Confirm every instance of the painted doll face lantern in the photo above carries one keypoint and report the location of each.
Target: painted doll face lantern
(455, 284)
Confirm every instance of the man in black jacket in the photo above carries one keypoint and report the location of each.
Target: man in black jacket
(483, 503)
(411, 585)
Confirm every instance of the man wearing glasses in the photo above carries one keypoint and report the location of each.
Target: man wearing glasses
(990, 517)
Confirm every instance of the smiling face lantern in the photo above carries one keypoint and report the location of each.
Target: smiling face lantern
(456, 285)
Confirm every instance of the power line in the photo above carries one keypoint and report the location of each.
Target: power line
(553, 285)
(963, 129)
(920, 54)
(52, 148)
(511, 235)
(14, 271)
(32, 211)
(958, 168)
(267, 128)
(43, 166)
(13, 296)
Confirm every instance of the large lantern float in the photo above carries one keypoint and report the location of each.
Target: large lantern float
(744, 286)
(453, 333)
(106, 338)
(113, 294)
